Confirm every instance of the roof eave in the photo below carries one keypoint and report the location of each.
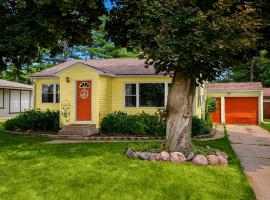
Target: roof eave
(15, 88)
(257, 90)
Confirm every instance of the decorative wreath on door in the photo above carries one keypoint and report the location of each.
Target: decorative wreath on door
(84, 93)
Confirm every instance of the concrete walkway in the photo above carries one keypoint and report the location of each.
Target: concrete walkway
(252, 146)
(219, 134)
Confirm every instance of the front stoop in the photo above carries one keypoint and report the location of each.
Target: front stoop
(78, 130)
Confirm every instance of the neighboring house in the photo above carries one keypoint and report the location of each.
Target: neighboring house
(266, 103)
(87, 90)
(238, 103)
(14, 98)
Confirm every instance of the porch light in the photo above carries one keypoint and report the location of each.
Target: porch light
(67, 79)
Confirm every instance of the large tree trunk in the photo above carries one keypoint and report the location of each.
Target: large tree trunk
(179, 116)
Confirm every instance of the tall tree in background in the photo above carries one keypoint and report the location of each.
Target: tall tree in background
(102, 47)
(196, 40)
(27, 26)
(261, 71)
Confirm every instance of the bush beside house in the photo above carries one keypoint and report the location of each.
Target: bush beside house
(138, 124)
(146, 124)
(35, 120)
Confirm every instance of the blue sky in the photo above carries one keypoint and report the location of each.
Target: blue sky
(108, 4)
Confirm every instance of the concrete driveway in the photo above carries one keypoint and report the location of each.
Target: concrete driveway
(252, 146)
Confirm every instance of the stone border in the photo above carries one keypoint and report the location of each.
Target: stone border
(217, 158)
(56, 136)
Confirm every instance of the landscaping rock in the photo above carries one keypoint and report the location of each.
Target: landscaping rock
(190, 156)
(164, 156)
(220, 153)
(154, 156)
(223, 161)
(213, 159)
(145, 156)
(18, 130)
(136, 154)
(200, 160)
(177, 157)
(129, 153)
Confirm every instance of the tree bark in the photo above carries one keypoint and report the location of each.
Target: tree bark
(179, 114)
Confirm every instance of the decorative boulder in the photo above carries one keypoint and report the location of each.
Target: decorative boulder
(129, 153)
(223, 161)
(155, 156)
(164, 156)
(200, 160)
(177, 157)
(213, 159)
(220, 153)
(136, 154)
(190, 156)
(145, 156)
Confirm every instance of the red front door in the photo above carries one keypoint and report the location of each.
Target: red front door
(84, 100)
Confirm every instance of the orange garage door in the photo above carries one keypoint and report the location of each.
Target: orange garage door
(241, 110)
(216, 116)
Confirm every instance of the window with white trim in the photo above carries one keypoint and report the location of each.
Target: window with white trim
(14, 101)
(19, 100)
(25, 100)
(146, 94)
(1, 98)
(151, 94)
(130, 95)
(50, 93)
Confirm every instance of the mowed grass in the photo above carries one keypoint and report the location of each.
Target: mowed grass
(266, 126)
(31, 169)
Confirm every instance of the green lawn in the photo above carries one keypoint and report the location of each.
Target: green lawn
(266, 126)
(31, 169)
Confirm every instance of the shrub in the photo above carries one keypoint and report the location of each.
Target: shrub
(201, 126)
(36, 120)
(138, 124)
(148, 146)
(210, 106)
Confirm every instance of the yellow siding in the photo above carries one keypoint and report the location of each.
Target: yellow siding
(38, 94)
(118, 94)
(68, 91)
(108, 94)
(105, 96)
(197, 110)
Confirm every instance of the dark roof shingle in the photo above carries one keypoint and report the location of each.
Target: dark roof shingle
(233, 86)
(115, 66)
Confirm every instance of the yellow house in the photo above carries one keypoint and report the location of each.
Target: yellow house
(84, 91)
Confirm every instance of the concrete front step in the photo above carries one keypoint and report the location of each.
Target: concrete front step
(78, 129)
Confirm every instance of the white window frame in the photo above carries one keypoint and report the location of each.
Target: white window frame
(166, 92)
(3, 103)
(54, 92)
(125, 94)
(20, 102)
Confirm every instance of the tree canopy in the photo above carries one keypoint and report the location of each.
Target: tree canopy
(29, 26)
(242, 73)
(200, 38)
(193, 39)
